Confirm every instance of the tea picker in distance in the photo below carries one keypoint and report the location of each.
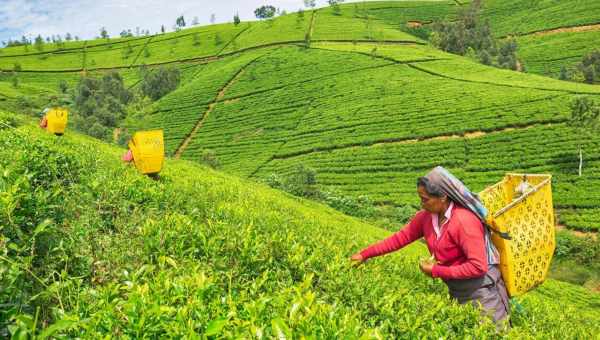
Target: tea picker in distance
(54, 120)
(147, 152)
(451, 223)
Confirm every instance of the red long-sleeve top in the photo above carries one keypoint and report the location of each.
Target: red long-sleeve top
(459, 251)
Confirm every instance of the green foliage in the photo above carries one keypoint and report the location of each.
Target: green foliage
(158, 82)
(265, 12)
(100, 104)
(583, 250)
(180, 22)
(585, 113)
(8, 120)
(15, 80)
(590, 67)
(39, 43)
(471, 36)
(301, 182)
(335, 5)
(361, 206)
(63, 86)
(138, 258)
(104, 33)
(209, 158)
(236, 19)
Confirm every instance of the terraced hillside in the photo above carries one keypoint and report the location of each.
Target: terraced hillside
(368, 106)
(550, 34)
(199, 251)
(291, 105)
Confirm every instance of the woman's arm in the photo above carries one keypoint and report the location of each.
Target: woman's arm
(411, 232)
(470, 238)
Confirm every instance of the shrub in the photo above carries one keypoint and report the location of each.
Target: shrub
(209, 158)
(100, 104)
(157, 83)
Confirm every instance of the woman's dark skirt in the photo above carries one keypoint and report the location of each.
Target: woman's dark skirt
(487, 292)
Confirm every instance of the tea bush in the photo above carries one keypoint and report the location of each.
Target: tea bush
(200, 253)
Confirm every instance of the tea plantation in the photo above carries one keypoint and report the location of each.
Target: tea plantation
(92, 249)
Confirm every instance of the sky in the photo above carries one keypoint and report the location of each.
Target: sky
(84, 18)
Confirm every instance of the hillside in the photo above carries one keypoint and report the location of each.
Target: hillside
(550, 34)
(263, 102)
(93, 249)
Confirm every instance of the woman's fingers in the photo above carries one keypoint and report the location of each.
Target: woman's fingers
(357, 258)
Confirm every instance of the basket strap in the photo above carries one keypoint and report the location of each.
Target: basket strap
(504, 235)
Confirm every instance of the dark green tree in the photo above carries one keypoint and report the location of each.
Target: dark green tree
(265, 12)
(39, 43)
(103, 33)
(157, 83)
(310, 3)
(180, 22)
(564, 73)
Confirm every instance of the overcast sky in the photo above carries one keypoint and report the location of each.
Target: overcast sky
(84, 18)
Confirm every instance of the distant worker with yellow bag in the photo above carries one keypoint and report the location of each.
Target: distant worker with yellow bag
(452, 223)
(146, 151)
(54, 120)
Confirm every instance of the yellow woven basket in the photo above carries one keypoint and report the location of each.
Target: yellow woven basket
(525, 214)
(148, 150)
(57, 120)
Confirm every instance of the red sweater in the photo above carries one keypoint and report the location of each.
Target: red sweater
(460, 250)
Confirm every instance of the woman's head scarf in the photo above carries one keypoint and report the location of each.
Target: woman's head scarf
(459, 193)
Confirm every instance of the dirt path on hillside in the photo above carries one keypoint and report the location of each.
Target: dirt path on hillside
(211, 107)
(577, 233)
(584, 28)
(389, 141)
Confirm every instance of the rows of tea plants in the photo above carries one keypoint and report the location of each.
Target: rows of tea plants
(547, 54)
(286, 28)
(401, 53)
(466, 70)
(355, 25)
(179, 111)
(244, 133)
(277, 103)
(582, 219)
(290, 66)
(188, 44)
(66, 46)
(387, 172)
(401, 12)
(394, 102)
(515, 16)
(198, 252)
(114, 54)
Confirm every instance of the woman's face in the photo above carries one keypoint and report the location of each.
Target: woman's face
(430, 203)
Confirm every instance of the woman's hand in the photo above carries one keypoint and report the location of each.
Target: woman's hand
(426, 267)
(357, 259)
